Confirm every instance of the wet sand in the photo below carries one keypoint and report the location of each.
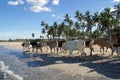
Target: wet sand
(96, 66)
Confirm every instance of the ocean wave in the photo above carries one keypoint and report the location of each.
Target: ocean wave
(6, 74)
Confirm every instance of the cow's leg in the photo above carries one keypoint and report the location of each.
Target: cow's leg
(82, 51)
(51, 50)
(91, 50)
(106, 49)
(36, 49)
(41, 49)
(113, 50)
(100, 49)
(57, 50)
(70, 53)
(103, 50)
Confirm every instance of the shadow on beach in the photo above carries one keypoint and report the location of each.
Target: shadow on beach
(109, 67)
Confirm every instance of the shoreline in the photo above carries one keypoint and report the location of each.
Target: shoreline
(71, 68)
(14, 45)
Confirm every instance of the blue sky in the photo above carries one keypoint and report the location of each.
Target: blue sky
(21, 18)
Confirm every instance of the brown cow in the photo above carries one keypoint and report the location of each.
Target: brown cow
(53, 45)
(89, 44)
(102, 42)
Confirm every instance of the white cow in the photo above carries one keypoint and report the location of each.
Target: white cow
(117, 50)
(74, 45)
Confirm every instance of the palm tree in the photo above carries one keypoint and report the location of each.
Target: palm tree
(60, 30)
(45, 27)
(89, 23)
(80, 22)
(42, 23)
(69, 23)
(79, 16)
(96, 18)
(77, 27)
(117, 12)
(52, 32)
(43, 31)
(107, 22)
(55, 27)
(33, 35)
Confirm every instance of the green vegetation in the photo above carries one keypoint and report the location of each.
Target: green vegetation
(87, 25)
(102, 23)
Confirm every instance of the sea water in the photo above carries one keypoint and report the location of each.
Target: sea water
(16, 65)
(6, 74)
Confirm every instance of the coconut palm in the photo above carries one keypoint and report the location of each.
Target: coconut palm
(43, 31)
(33, 35)
(69, 23)
(117, 12)
(88, 23)
(42, 23)
(77, 27)
(52, 32)
(106, 20)
(45, 27)
(80, 19)
(117, 16)
(60, 30)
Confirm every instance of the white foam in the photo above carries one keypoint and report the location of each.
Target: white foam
(11, 73)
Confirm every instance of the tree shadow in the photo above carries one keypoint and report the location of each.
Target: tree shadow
(109, 67)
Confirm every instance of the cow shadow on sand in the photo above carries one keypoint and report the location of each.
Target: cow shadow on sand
(109, 67)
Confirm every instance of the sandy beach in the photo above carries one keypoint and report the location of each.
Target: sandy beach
(15, 45)
(95, 66)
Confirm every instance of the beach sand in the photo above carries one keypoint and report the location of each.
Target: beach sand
(95, 66)
(14, 45)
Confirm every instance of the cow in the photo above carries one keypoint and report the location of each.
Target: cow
(116, 46)
(74, 45)
(89, 44)
(60, 43)
(53, 45)
(40, 45)
(26, 46)
(33, 44)
(103, 43)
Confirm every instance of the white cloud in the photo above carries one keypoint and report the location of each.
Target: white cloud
(19, 35)
(112, 9)
(17, 2)
(55, 2)
(38, 5)
(116, 0)
(39, 8)
(34, 5)
(53, 15)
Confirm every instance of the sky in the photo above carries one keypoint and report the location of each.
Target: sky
(21, 18)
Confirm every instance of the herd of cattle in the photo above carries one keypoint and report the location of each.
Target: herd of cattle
(61, 46)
